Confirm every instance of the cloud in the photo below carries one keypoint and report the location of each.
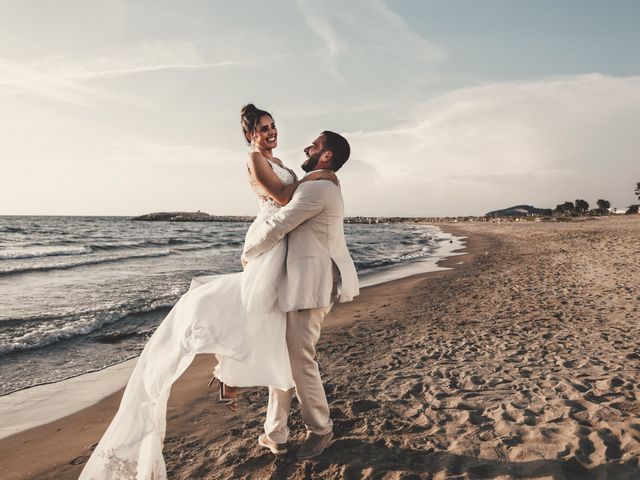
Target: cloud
(319, 21)
(359, 35)
(67, 77)
(316, 16)
(18, 78)
(152, 153)
(150, 56)
(476, 149)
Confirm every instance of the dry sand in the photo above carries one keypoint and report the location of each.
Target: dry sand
(522, 362)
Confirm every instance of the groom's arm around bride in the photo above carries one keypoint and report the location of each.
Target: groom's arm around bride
(319, 272)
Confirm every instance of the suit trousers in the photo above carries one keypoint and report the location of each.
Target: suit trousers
(303, 332)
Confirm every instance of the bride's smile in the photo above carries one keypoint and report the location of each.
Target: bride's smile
(265, 136)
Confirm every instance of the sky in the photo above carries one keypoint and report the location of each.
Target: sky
(454, 107)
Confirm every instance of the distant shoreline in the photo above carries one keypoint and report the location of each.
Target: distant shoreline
(205, 217)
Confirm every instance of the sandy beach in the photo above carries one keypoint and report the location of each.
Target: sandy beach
(522, 361)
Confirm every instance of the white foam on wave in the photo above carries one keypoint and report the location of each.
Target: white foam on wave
(96, 260)
(46, 334)
(42, 251)
(423, 252)
(83, 262)
(446, 245)
(197, 246)
(417, 250)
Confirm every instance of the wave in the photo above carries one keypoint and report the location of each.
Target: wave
(75, 247)
(80, 263)
(47, 334)
(45, 252)
(424, 252)
(98, 247)
(368, 263)
(176, 244)
(7, 229)
(143, 244)
(97, 260)
(189, 248)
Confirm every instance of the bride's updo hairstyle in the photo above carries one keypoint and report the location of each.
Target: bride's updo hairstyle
(250, 115)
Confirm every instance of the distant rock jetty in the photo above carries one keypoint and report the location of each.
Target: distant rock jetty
(205, 217)
(190, 217)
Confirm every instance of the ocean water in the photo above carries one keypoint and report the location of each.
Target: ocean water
(78, 294)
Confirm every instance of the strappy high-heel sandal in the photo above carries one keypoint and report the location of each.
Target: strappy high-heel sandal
(230, 401)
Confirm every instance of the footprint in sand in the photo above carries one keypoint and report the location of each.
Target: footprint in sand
(577, 410)
(476, 417)
(611, 443)
(616, 382)
(347, 426)
(513, 440)
(362, 406)
(411, 390)
(530, 418)
(585, 449)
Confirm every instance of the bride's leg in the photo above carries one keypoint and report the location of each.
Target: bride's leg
(227, 392)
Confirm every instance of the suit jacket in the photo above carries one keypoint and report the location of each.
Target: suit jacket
(313, 220)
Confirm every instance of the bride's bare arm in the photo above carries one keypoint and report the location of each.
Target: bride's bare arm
(263, 174)
(261, 171)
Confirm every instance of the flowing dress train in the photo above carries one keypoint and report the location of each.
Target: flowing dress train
(236, 316)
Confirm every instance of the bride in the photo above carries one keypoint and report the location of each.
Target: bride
(236, 316)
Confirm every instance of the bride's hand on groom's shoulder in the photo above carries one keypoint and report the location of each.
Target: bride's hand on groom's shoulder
(248, 255)
(322, 175)
(244, 258)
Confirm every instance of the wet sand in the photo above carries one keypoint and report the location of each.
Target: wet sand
(521, 362)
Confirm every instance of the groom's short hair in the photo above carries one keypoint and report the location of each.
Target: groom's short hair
(338, 146)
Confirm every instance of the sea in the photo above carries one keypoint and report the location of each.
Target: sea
(79, 294)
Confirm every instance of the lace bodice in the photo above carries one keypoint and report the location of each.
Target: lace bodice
(266, 203)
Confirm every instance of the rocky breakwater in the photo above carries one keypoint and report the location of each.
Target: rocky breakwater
(190, 217)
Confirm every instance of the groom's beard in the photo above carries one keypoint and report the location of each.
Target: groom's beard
(311, 162)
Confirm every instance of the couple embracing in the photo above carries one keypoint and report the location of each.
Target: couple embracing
(262, 323)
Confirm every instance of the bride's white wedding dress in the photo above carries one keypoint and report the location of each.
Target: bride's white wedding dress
(235, 316)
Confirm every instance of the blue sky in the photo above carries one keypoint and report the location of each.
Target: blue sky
(452, 107)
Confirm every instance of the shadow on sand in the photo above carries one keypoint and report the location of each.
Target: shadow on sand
(354, 459)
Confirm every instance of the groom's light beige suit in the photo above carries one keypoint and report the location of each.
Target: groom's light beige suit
(319, 272)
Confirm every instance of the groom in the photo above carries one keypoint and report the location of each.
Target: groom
(319, 272)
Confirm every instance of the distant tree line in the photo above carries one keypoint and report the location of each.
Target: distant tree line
(581, 207)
